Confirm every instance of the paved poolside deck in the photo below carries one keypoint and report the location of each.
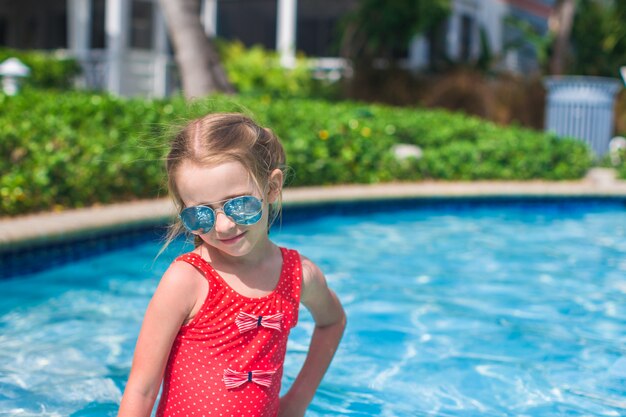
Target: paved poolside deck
(55, 226)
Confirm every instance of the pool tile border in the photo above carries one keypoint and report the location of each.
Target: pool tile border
(49, 228)
(33, 243)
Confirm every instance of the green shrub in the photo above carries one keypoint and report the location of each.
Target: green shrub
(620, 164)
(77, 149)
(46, 69)
(358, 140)
(257, 71)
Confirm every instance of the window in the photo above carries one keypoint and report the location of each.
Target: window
(98, 35)
(251, 22)
(3, 31)
(467, 35)
(56, 30)
(438, 55)
(141, 24)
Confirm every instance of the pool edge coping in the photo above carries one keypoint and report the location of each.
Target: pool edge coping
(52, 227)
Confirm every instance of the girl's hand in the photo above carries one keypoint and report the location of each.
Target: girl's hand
(289, 407)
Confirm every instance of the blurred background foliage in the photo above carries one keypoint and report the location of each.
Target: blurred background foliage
(256, 70)
(596, 46)
(61, 148)
(380, 29)
(599, 38)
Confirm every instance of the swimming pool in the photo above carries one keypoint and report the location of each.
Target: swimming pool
(455, 309)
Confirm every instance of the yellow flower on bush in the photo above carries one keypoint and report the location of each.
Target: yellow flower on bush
(323, 134)
(366, 132)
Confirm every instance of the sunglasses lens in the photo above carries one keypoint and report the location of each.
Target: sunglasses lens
(244, 210)
(198, 220)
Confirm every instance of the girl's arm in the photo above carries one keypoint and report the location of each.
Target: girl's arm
(330, 321)
(172, 304)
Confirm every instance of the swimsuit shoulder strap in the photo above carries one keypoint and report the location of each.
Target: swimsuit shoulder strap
(292, 282)
(200, 264)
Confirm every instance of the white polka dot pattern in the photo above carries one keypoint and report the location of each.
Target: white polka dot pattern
(211, 346)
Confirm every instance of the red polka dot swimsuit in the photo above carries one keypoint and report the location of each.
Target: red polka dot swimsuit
(228, 360)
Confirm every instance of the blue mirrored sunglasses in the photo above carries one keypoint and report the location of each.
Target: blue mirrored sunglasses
(244, 210)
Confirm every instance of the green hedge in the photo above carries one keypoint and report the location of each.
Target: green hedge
(620, 165)
(47, 69)
(74, 149)
(256, 70)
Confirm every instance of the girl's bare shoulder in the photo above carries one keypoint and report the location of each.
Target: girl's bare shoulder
(313, 278)
(181, 282)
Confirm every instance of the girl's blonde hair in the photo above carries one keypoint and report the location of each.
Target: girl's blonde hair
(223, 137)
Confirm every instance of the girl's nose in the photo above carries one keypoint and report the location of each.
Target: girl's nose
(223, 223)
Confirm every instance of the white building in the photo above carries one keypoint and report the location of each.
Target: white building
(123, 45)
(459, 37)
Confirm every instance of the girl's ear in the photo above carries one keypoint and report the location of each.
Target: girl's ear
(275, 185)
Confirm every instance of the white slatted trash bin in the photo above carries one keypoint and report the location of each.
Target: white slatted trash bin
(582, 107)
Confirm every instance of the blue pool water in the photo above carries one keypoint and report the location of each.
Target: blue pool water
(511, 310)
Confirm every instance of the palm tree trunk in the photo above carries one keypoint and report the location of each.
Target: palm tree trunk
(196, 55)
(560, 22)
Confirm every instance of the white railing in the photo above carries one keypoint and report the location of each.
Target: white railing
(331, 69)
(141, 75)
(94, 66)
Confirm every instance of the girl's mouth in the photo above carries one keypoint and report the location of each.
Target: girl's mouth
(232, 240)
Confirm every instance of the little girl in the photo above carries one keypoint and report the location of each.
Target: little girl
(215, 332)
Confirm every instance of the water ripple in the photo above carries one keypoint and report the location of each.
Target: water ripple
(481, 312)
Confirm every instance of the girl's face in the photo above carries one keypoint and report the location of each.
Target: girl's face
(210, 186)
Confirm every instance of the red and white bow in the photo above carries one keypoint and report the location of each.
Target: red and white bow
(246, 322)
(234, 379)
